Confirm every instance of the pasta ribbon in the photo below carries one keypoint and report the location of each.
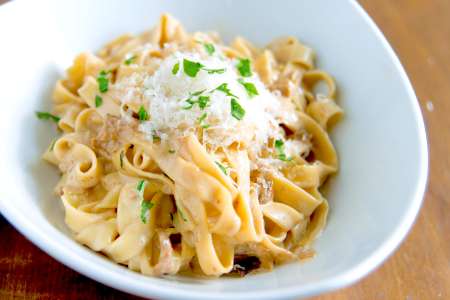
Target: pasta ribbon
(180, 154)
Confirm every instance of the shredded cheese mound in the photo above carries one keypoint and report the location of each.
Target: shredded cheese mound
(166, 96)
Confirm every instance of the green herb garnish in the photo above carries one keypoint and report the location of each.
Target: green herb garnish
(103, 81)
(175, 68)
(279, 147)
(142, 114)
(171, 151)
(130, 60)
(244, 67)
(201, 119)
(181, 214)
(191, 68)
(190, 104)
(224, 88)
(140, 188)
(197, 93)
(156, 138)
(121, 159)
(236, 110)
(215, 71)
(249, 87)
(203, 101)
(42, 115)
(145, 205)
(98, 101)
(209, 48)
(145, 208)
(52, 145)
(222, 168)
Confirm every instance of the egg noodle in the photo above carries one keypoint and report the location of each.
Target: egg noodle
(180, 154)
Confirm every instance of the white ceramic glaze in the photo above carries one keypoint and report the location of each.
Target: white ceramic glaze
(381, 142)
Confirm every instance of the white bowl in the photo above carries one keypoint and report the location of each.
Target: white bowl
(381, 142)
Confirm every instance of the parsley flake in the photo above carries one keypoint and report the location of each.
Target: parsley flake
(140, 187)
(209, 48)
(191, 68)
(145, 205)
(190, 104)
(215, 71)
(197, 93)
(156, 138)
(249, 87)
(224, 88)
(181, 215)
(98, 101)
(203, 101)
(121, 159)
(279, 147)
(52, 145)
(236, 110)
(103, 81)
(130, 60)
(42, 115)
(243, 67)
(175, 68)
(171, 151)
(142, 114)
(145, 208)
(201, 119)
(222, 168)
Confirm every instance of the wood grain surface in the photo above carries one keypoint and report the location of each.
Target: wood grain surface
(419, 31)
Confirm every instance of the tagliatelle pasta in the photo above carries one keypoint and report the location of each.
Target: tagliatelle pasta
(180, 154)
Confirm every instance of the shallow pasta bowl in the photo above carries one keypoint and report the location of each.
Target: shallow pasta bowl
(381, 142)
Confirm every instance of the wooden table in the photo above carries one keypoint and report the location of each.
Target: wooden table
(419, 30)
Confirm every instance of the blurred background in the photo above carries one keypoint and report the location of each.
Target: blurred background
(419, 31)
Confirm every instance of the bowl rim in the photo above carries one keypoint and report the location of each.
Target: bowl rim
(381, 253)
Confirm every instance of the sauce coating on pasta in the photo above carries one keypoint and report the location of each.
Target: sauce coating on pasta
(180, 154)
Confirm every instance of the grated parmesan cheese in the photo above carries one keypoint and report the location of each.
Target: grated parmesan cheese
(165, 96)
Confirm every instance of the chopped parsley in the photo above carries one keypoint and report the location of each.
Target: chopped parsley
(142, 114)
(201, 120)
(279, 147)
(203, 101)
(145, 205)
(130, 60)
(209, 48)
(243, 67)
(141, 187)
(215, 71)
(249, 87)
(181, 215)
(222, 168)
(103, 81)
(197, 93)
(175, 68)
(156, 138)
(190, 104)
(52, 145)
(42, 115)
(145, 208)
(171, 151)
(224, 88)
(191, 68)
(236, 110)
(98, 101)
(121, 159)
